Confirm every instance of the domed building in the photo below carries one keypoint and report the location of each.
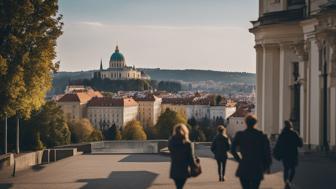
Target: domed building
(118, 70)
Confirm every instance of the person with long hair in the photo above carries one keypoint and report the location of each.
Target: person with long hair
(182, 157)
(220, 146)
(286, 150)
(255, 154)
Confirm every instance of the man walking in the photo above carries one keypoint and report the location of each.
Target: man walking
(255, 154)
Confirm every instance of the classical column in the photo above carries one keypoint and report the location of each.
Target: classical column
(270, 97)
(300, 50)
(332, 73)
(259, 82)
(287, 57)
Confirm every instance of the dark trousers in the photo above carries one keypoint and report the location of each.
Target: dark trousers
(250, 184)
(179, 183)
(289, 173)
(221, 164)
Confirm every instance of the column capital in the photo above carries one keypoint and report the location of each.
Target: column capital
(270, 45)
(300, 49)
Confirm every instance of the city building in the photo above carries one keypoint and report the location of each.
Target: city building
(118, 70)
(74, 103)
(296, 68)
(199, 107)
(149, 109)
(103, 112)
(236, 122)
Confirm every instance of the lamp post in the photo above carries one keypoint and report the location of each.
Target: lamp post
(17, 134)
(5, 137)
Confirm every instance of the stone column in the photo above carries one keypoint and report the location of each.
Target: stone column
(259, 82)
(302, 58)
(287, 57)
(270, 97)
(332, 110)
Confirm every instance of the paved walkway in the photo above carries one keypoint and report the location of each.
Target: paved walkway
(127, 172)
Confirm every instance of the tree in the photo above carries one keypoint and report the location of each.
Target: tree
(208, 129)
(197, 135)
(218, 100)
(112, 133)
(50, 125)
(152, 132)
(167, 121)
(134, 131)
(83, 131)
(28, 34)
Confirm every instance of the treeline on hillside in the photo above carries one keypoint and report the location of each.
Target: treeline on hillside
(61, 79)
(201, 75)
(131, 85)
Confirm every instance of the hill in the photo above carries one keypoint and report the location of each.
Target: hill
(61, 79)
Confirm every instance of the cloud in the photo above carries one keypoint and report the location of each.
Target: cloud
(158, 27)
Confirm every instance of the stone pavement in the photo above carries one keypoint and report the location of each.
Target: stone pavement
(138, 171)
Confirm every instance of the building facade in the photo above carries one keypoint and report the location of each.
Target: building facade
(296, 68)
(118, 70)
(149, 109)
(103, 112)
(74, 103)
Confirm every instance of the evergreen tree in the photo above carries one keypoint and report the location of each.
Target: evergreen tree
(112, 133)
(50, 123)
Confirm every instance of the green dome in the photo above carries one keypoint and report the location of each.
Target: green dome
(117, 56)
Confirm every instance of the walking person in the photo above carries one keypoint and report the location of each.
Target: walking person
(286, 150)
(220, 146)
(255, 158)
(182, 157)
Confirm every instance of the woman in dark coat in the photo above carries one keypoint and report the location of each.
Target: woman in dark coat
(286, 149)
(182, 156)
(219, 147)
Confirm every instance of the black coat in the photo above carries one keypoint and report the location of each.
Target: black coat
(287, 146)
(255, 154)
(182, 158)
(220, 145)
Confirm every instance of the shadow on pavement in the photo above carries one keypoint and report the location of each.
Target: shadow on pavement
(38, 167)
(6, 185)
(122, 180)
(145, 158)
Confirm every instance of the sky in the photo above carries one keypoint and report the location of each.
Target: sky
(166, 34)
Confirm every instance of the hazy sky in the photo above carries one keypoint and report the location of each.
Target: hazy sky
(169, 34)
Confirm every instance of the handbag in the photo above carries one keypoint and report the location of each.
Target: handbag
(195, 167)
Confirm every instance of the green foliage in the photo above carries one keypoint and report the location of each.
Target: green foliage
(47, 126)
(108, 85)
(134, 131)
(112, 133)
(167, 121)
(218, 100)
(171, 86)
(83, 131)
(197, 134)
(28, 34)
(152, 132)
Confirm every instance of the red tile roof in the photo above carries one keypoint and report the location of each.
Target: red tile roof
(149, 97)
(110, 101)
(80, 96)
(240, 113)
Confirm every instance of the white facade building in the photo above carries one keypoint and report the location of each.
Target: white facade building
(105, 111)
(296, 68)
